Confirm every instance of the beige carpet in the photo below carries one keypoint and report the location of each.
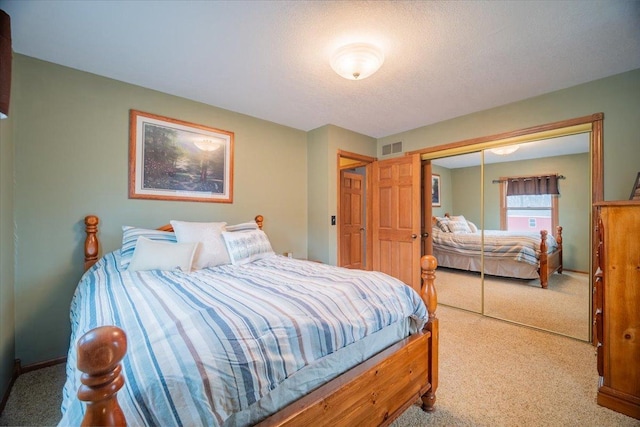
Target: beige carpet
(492, 373)
(562, 308)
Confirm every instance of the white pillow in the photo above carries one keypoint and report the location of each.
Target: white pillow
(247, 246)
(211, 249)
(130, 237)
(154, 255)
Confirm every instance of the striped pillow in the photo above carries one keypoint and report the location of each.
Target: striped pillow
(247, 246)
(442, 224)
(251, 225)
(130, 238)
(458, 224)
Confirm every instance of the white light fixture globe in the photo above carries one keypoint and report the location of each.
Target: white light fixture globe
(503, 151)
(357, 61)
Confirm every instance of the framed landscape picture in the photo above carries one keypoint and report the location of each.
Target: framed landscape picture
(435, 190)
(174, 160)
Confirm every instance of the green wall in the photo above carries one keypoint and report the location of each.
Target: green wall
(7, 255)
(318, 193)
(324, 144)
(616, 97)
(446, 191)
(70, 133)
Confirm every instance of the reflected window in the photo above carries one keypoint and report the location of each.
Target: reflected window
(530, 213)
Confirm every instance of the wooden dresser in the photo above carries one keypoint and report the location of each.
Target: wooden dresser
(617, 306)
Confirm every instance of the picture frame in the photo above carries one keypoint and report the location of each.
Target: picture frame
(635, 192)
(435, 190)
(171, 159)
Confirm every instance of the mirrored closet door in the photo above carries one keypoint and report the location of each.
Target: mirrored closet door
(499, 278)
(459, 181)
(550, 188)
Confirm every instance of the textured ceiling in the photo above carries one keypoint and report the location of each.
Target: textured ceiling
(270, 59)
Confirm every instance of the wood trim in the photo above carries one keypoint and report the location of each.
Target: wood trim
(618, 203)
(619, 402)
(593, 118)
(555, 214)
(503, 203)
(597, 195)
(356, 156)
(427, 208)
(41, 365)
(369, 217)
(597, 160)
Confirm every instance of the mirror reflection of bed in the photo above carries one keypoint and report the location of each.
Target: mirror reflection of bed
(471, 188)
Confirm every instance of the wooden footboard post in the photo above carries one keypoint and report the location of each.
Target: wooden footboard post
(543, 269)
(428, 264)
(91, 242)
(99, 354)
(559, 241)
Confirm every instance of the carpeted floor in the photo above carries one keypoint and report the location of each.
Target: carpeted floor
(562, 308)
(492, 373)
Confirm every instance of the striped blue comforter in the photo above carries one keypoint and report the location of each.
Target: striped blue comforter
(207, 344)
(519, 246)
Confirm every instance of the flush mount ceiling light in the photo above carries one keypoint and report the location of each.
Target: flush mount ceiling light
(357, 61)
(503, 151)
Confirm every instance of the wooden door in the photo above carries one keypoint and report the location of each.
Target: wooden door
(396, 218)
(351, 220)
(427, 208)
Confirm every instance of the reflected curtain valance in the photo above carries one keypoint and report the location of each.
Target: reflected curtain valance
(532, 185)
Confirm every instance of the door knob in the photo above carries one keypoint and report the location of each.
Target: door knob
(414, 236)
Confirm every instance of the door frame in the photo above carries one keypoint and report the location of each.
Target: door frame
(356, 161)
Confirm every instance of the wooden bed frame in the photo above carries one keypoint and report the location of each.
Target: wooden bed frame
(374, 392)
(548, 263)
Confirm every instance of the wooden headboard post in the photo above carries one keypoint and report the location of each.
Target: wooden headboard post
(259, 220)
(91, 245)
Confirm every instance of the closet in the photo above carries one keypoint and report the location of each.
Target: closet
(468, 175)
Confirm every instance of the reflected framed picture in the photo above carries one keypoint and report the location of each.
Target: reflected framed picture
(171, 159)
(435, 190)
(635, 192)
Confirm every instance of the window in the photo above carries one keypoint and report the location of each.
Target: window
(528, 212)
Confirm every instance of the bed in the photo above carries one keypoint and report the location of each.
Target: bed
(263, 342)
(459, 244)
